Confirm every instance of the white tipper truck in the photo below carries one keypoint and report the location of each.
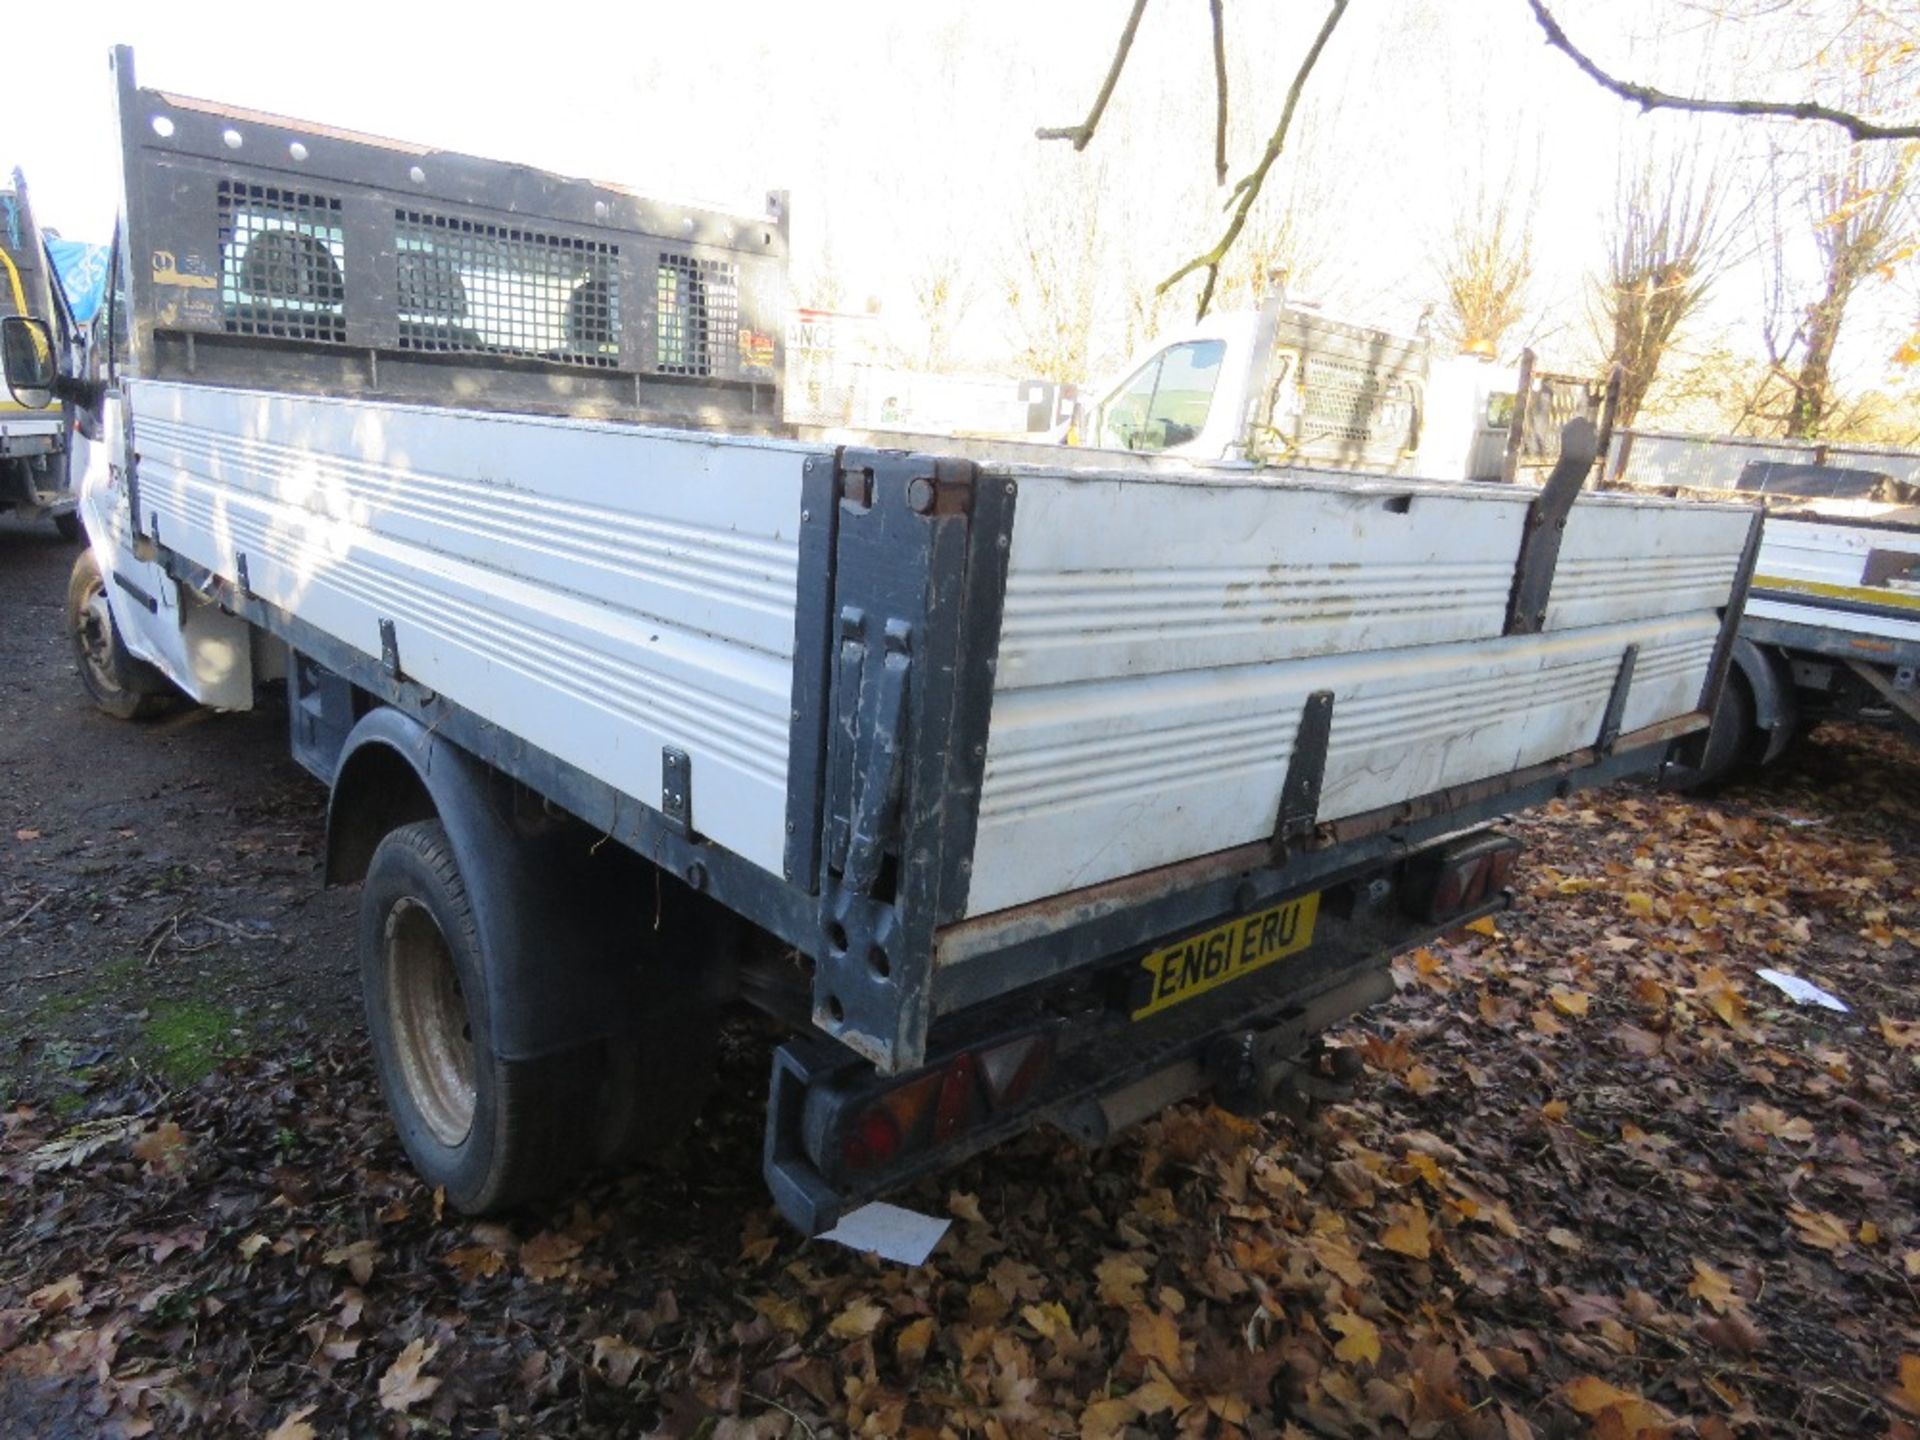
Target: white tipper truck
(1044, 785)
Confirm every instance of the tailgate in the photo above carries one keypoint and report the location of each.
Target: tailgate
(1161, 642)
(1041, 697)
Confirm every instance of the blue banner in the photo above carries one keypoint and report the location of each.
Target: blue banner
(82, 269)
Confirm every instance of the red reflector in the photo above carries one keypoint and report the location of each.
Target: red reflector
(955, 1110)
(872, 1141)
(1499, 867)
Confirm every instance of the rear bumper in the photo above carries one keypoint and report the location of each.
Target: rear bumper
(1107, 1069)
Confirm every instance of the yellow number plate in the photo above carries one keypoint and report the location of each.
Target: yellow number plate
(1215, 957)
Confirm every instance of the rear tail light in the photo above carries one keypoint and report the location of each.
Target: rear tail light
(930, 1109)
(1460, 877)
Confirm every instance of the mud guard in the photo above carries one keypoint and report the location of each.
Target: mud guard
(1774, 708)
(562, 922)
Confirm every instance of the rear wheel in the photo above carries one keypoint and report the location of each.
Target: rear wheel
(1730, 738)
(494, 1132)
(120, 685)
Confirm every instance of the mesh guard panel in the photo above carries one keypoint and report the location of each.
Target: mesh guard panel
(697, 316)
(468, 287)
(281, 257)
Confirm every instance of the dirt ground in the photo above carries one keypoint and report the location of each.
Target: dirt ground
(160, 904)
(1599, 1177)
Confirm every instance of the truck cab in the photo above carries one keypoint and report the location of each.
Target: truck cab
(1289, 384)
(34, 444)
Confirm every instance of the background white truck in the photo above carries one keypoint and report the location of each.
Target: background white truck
(34, 444)
(1288, 384)
(1016, 792)
(1832, 627)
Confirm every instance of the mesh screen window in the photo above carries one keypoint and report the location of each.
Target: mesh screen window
(697, 314)
(1350, 402)
(468, 287)
(282, 254)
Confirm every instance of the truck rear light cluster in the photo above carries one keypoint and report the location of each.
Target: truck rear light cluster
(1460, 877)
(934, 1107)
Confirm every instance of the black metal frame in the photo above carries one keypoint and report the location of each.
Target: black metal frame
(172, 187)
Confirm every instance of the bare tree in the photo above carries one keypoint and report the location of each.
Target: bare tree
(1667, 242)
(1049, 277)
(1864, 197)
(1485, 267)
(944, 286)
(1859, 125)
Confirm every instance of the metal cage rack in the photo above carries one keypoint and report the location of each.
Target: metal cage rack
(279, 254)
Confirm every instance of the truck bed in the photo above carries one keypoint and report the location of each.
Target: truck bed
(608, 593)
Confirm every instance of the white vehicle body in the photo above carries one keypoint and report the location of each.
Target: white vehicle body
(560, 605)
(1154, 627)
(1832, 624)
(1288, 384)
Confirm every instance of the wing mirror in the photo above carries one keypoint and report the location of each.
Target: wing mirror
(27, 358)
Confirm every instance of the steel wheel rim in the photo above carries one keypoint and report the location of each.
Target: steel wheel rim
(95, 634)
(432, 1036)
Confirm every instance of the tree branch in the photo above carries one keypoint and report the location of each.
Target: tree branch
(1247, 189)
(1083, 132)
(1648, 98)
(1220, 92)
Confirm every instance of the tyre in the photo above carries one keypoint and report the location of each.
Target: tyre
(1730, 738)
(120, 685)
(652, 1090)
(494, 1133)
(68, 526)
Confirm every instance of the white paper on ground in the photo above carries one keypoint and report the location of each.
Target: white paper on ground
(1804, 991)
(902, 1236)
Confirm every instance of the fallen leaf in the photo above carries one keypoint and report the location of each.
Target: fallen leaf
(1712, 1286)
(1821, 1230)
(26, 834)
(1107, 1419)
(789, 1315)
(549, 1255)
(1153, 1335)
(1050, 1321)
(617, 1359)
(359, 1258)
(857, 1321)
(1901, 1034)
(965, 1207)
(1569, 1002)
(475, 1262)
(403, 1386)
(1120, 1279)
(1360, 1340)
(60, 1295)
(163, 1147)
(1907, 1394)
(1410, 1234)
(911, 1344)
(295, 1426)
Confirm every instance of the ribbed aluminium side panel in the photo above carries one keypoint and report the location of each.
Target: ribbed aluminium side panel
(1160, 640)
(1809, 571)
(598, 590)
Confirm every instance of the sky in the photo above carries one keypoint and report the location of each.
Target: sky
(905, 132)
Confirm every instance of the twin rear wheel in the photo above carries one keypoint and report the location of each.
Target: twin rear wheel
(495, 1132)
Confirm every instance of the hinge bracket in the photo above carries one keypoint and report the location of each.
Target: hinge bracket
(1546, 527)
(1306, 774)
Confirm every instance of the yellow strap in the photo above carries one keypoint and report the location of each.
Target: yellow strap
(1864, 594)
(13, 274)
(19, 290)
